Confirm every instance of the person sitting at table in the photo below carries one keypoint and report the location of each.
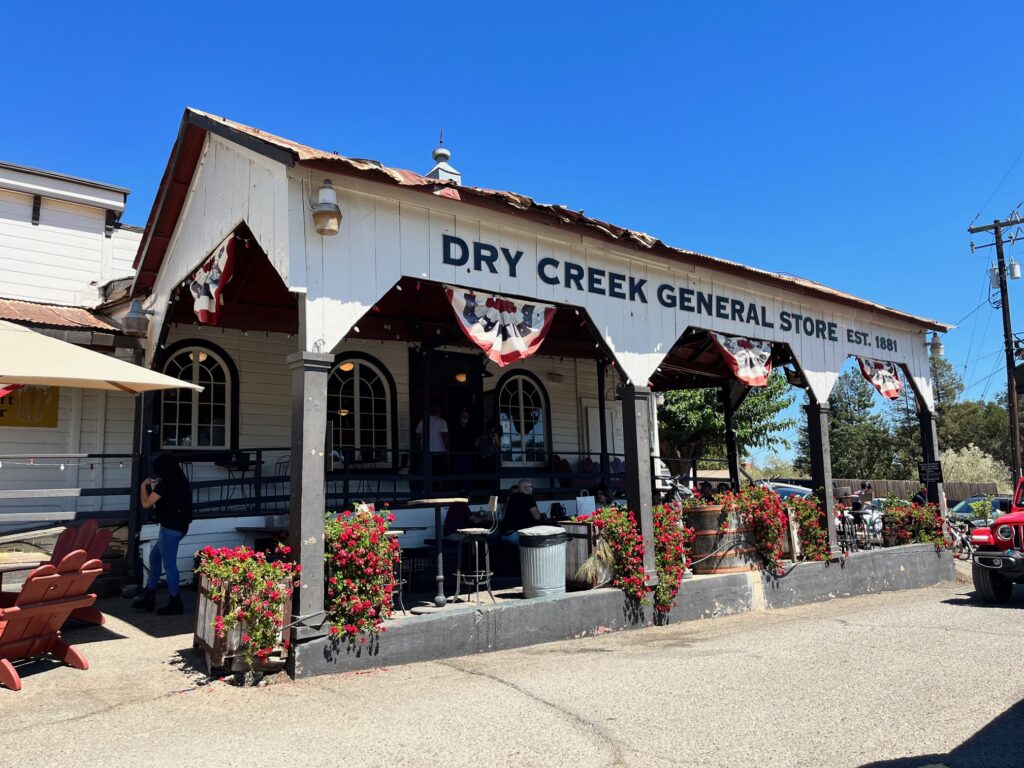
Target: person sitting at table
(459, 515)
(602, 496)
(520, 512)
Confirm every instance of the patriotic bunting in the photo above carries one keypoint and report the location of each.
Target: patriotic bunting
(749, 359)
(207, 283)
(6, 389)
(505, 329)
(883, 376)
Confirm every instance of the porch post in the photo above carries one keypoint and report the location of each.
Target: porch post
(140, 461)
(307, 494)
(426, 459)
(930, 452)
(636, 422)
(821, 465)
(732, 451)
(601, 365)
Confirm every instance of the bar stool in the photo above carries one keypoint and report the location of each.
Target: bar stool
(477, 537)
(400, 577)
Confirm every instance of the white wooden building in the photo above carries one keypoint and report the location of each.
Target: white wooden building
(67, 262)
(328, 349)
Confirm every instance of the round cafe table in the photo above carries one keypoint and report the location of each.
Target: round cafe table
(439, 598)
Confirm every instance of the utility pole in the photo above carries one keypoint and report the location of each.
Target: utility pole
(996, 227)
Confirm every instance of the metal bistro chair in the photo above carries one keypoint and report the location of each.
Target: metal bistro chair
(476, 537)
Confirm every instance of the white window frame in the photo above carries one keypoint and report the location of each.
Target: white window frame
(195, 395)
(516, 380)
(389, 404)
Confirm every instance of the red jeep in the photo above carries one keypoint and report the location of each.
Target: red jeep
(999, 553)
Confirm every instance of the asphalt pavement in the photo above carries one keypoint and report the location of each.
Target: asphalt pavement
(923, 677)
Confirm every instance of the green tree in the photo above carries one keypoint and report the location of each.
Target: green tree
(860, 438)
(691, 424)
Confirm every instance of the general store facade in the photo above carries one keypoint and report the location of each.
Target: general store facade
(327, 350)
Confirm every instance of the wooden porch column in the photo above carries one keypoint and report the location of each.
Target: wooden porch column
(601, 366)
(636, 423)
(732, 449)
(307, 493)
(821, 465)
(930, 452)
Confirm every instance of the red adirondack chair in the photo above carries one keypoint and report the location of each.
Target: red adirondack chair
(88, 537)
(30, 625)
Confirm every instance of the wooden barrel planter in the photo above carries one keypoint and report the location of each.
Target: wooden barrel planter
(741, 555)
(580, 546)
(226, 653)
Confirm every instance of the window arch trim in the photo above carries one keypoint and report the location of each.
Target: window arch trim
(392, 393)
(160, 364)
(535, 380)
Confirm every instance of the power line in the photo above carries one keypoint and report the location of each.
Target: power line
(1000, 184)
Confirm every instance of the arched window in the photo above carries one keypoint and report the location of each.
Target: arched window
(360, 407)
(190, 419)
(522, 412)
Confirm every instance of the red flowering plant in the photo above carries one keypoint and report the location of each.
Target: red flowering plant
(250, 590)
(617, 528)
(671, 540)
(906, 523)
(359, 573)
(813, 536)
(762, 510)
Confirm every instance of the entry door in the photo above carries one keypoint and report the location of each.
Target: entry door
(613, 425)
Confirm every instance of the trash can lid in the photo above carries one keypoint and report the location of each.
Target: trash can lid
(542, 536)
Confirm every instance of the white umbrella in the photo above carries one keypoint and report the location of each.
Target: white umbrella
(30, 358)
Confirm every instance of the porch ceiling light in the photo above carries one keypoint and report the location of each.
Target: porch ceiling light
(326, 213)
(461, 377)
(347, 366)
(937, 347)
(136, 322)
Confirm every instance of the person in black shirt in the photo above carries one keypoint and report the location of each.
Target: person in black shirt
(171, 496)
(921, 497)
(520, 512)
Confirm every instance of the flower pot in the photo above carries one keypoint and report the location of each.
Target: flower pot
(718, 549)
(580, 546)
(227, 653)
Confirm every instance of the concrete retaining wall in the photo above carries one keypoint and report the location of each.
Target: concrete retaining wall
(513, 624)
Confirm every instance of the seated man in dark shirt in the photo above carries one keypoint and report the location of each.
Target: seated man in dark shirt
(520, 512)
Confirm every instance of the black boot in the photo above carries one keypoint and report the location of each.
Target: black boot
(146, 601)
(173, 607)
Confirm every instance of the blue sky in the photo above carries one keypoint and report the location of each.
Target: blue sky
(848, 143)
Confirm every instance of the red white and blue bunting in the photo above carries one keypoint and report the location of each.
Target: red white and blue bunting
(749, 359)
(207, 283)
(883, 376)
(505, 329)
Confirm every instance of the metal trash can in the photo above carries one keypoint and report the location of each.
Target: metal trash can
(542, 560)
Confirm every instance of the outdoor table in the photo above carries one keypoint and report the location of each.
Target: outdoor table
(439, 599)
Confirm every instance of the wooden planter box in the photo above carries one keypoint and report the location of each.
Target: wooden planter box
(715, 552)
(226, 653)
(580, 546)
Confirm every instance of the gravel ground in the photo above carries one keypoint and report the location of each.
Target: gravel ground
(900, 679)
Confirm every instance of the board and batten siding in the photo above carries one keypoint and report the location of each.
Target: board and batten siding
(231, 185)
(66, 257)
(389, 233)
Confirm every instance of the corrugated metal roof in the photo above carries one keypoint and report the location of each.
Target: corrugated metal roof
(54, 316)
(305, 155)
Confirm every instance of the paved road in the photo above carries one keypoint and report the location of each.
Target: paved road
(854, 682)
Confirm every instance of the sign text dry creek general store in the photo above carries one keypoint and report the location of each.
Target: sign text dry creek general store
(479, 256)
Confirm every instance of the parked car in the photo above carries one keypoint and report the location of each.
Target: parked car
(963, 510)
(785, 490)
(999, 558)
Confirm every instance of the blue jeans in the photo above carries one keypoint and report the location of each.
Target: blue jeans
(165, 553)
